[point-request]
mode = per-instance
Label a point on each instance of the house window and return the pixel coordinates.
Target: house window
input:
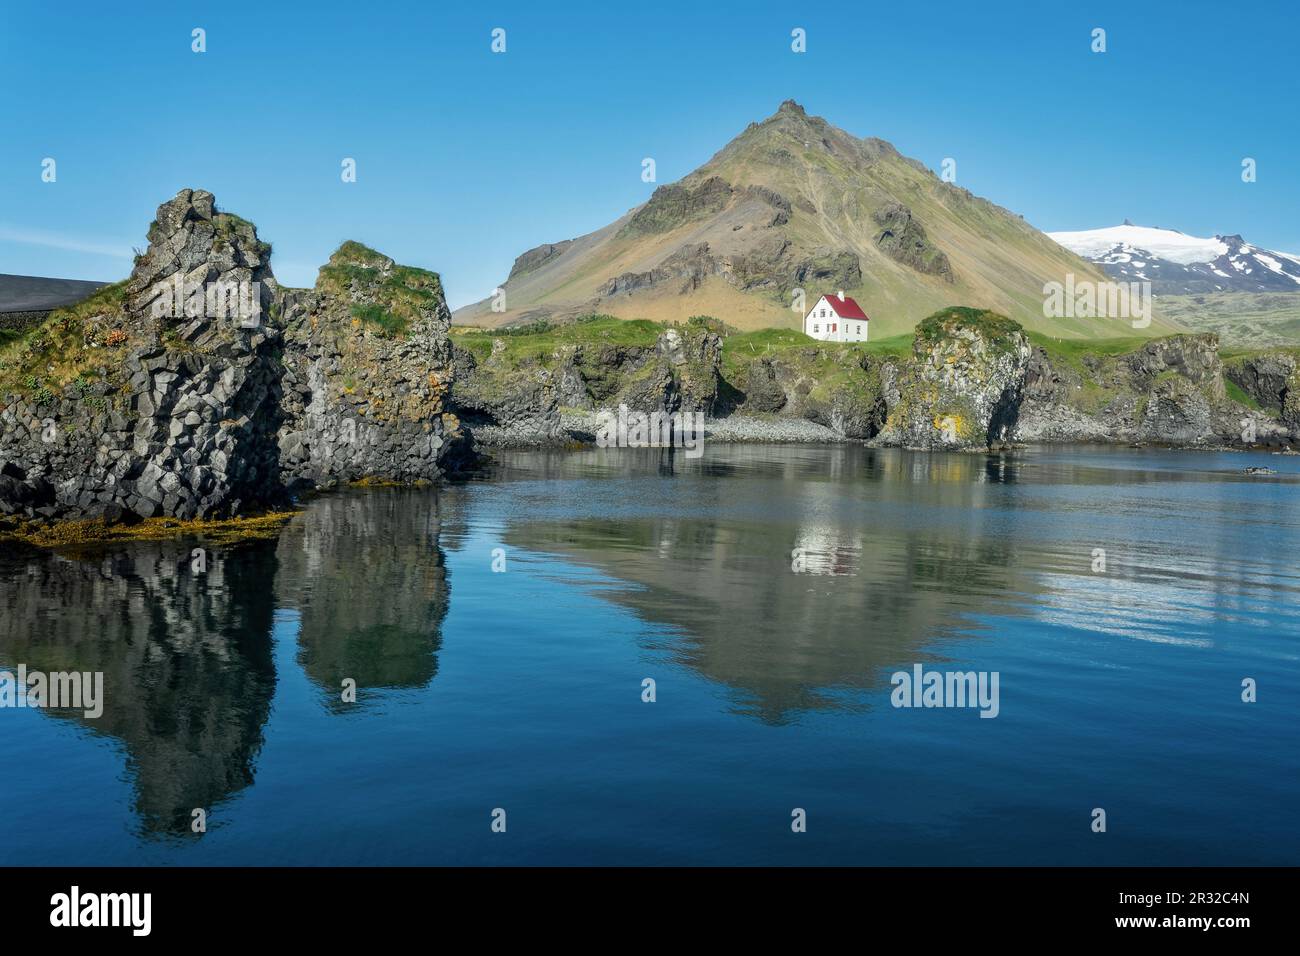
(816, 327)
(832, 326)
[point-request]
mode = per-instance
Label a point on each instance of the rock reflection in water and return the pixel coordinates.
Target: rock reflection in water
(369, 579)
(186, 659)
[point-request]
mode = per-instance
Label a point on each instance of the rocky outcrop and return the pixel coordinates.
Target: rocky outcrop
(1192, 357)
(903, 239)
(675, 204)
(687, 267)
(781, 207)
(200, 389)
(507, 401)
(537, 257)
(185, 425)
(963, 385)
(367, 373)
(1169, 391)
(1272, 380)
(504, 404)
(775, 264)
(839, 389)
(972, 380)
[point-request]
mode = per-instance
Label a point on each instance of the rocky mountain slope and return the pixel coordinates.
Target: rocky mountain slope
(142, 401)
(795, 203)
(1178, 264)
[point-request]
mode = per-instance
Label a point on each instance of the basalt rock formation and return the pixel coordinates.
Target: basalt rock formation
(199, 388)
(367, 370)
(1170, 391)
(508, 399)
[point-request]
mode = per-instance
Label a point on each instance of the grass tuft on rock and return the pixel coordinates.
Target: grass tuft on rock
(396, 295)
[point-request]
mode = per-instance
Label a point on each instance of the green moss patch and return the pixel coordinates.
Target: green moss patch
(396, 295)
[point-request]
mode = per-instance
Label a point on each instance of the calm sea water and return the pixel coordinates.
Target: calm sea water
(522, 689)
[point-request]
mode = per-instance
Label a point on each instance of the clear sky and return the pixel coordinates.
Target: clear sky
(465, 158)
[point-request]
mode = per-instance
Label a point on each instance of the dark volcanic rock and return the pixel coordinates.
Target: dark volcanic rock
(689, 266)
(191, 429)
(903, 239)
(506, 403)
(213, 409)
(1272, 380)
(367, 373)
(674, 204)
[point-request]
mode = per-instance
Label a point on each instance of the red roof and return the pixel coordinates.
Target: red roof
(846, 308)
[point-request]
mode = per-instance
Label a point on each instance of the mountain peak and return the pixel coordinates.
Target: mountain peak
(794, 202)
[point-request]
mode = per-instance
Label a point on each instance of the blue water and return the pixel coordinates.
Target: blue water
(522, 689)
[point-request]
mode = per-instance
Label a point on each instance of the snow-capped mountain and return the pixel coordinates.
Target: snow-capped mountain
(1178, 264)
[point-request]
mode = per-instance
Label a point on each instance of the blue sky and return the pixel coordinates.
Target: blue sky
(466, 158)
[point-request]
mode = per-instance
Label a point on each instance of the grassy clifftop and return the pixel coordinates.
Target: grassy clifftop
(396, 296)
(80, 344)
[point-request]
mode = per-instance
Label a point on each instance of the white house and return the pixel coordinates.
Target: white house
(836, 318)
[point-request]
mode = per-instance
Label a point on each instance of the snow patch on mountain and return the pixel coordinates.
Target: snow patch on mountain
(1178, 264)
(1155, 243)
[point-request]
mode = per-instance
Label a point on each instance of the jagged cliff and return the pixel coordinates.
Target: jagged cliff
(367, 371)
(199, 388)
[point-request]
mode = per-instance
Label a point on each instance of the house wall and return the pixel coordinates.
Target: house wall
(846, 330)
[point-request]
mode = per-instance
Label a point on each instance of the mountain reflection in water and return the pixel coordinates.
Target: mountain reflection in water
(499, 630)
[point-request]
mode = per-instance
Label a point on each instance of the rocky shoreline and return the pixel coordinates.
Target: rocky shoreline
(143, 403)
(971, 380)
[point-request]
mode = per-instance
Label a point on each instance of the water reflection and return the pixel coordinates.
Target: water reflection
(817, 574)
(367, 574)
(187, 655)
(827, 568)
(796, 584)
(186, 659)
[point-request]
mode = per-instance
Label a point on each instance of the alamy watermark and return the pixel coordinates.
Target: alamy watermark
(61, 690)
(626, 429)
(73, 909)
(227, 299)
(922, 688)
(1098, 300)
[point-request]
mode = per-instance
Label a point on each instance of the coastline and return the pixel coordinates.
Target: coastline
(577, 429)
(576, 433)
